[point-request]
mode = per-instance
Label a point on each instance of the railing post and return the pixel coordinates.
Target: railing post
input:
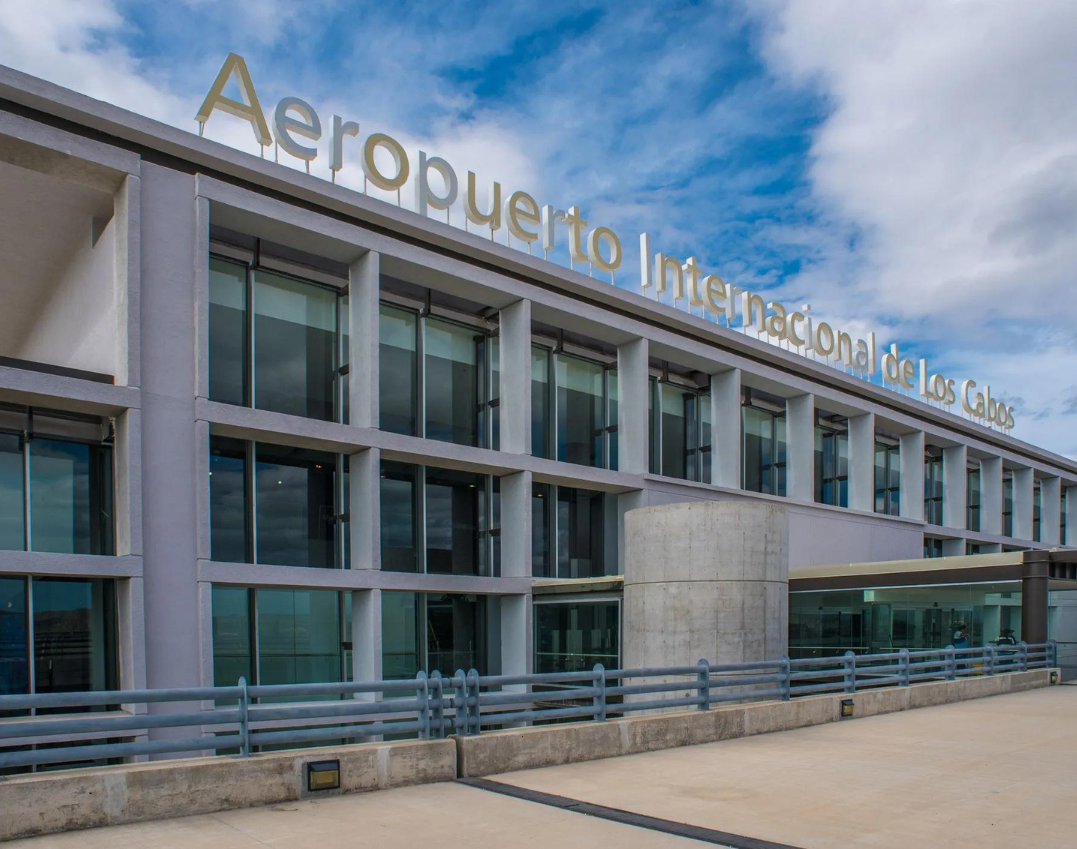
(599, 700)
(989, 659)
(787, 681)
(438, 713)
(904, 654)
(850, 672)
(1022, 656)
(473, 701)
(951, 663)
(703, 684)
(422, 696)
(1052, 652)
(461, 720)
(244, 721)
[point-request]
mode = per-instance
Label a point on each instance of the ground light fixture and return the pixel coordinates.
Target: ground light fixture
(846, 708)
(323, 775)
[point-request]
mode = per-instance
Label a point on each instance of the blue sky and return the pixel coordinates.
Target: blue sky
(907, 166)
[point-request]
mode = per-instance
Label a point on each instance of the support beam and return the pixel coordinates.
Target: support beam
(364, 281)
(726, 426)
(862, 462)
(1022, 503)
(517, 655)
(364, 509)
(633, 431)
(955, 482)
(912, 475)
(515, 382)
(516, 525)
(991, 495)
(800, 448)
(366, 638)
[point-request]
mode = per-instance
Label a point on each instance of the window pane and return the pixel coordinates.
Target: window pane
(454, 633)
(399, 517)
(227, 332)
(612, 389)
(14, 661)
(74, 635)
(70, 497)
(228, 500)
(298, 636)
(398, 370)
(399, 634)
(580, 526)
(494, 348)
(705, 437)
(231, 636)
(580, 421)
(12, 494)
(574, 637)
(452, 522)
(452, 382)
(540, 530)
(758, 450)
(294, 347)
(540, 402)
(678, 405)
(294, 505)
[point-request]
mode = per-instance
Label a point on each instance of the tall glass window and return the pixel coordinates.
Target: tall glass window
(541, 401)
(584, 389)
(887, 479)
(453, 381)
(1007, 505)
(763, 451)
(933, 489)
(567, 532)
(232, 636)
(972, 499)
(433, 631)
(57, 635)
(275, 342)
(574, 636)
(680, 431)
(831, 467)
(398, 370)
(55, 495)
(274, 504)
(401, 617)
(455, 513)
(400, 513)
(1037, 510)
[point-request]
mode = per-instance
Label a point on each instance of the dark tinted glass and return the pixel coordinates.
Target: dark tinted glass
(758, 450)
(541, 522)
(231, 636)
(399, 634)
(540, 402)
(228, 509)
(294, 505)
(14, 660)
(228, 344)
(74, 635)
(298, 636)
(580, 532)
(580, 416)
(398, 370)
(399, 517)
(573, 637)
(453, 524)
(680, 436)
(452, 382)
(70, 497)
(12, 494)
(454, 633)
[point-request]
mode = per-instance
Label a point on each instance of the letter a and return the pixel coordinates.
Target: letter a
(250, 109)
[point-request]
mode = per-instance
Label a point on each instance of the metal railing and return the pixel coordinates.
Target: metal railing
(41, 729)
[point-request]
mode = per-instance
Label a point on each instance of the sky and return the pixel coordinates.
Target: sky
(905, 166)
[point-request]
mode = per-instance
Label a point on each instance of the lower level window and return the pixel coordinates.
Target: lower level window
(433, 631)
(573, 636)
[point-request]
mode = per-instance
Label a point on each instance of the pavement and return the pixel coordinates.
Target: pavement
(989, 772)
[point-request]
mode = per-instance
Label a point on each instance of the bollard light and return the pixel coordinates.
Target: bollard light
(323, 775)
(846, 708)
(1054, 676)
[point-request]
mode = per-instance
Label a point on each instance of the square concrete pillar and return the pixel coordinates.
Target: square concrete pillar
(912, 475)
(633, 431)
(128, 486)
(364, 508)
(517, 654)
(800, 448)
(366, 638)
(955, 482)
(726, 426)
(131, 627)
(364, 288)
(1050, 511)
(862, 462)
(953, 547)
(991, 495)
(516, 525)
(515, 366)
(1022, 503)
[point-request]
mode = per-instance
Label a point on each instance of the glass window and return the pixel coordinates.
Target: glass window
(574, 636)
(455, 508)
(887, 479)
(231, 636)
(14, 655)
(452, 381)
(580, 411)
(228, 342)
(933, 489)
(399, 517)
(400, 656)
(74, 635)
(972, 499)
(540, 401)
(831, 467)
(678, 431)
(612, 391)
(432, 632)
(541, 529)
(70, 497)
(298, 636)
(580, 533)
(398, 370)
(12, 493)
(1037, 510)
(228, 508)
(764, 451)
(490, 387)
(294, 504)
(1007, 506)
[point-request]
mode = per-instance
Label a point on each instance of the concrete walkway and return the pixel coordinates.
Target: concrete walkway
(990, 772)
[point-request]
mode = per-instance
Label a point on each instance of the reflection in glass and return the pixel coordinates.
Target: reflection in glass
(452, 382)
(70, 497)
(580, 417)
(399, 634)
(298, 636)
(831, 467)
(295, 338)
(231, 636)
(573, 637)
(294, 506)
(887, 479)
(74, 635)
(763, 451)
(228, 532)
(12, 494)
(228, 343)
(454, 518)
(399, 517)
(541, 523)
(580, 532)
(14, 658)
(1007, 506)
(933, 489)
(540, 401)
(972, 500)
(679, 429)
(398, 370)
(454, 633)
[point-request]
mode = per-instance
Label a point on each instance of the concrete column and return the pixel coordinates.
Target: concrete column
(1050, 511)
(516, 525)
(726, 427)
(128, 482)
(862, 462)
(626, 501)
(131, 620)
(953, 547)
(1034, 585)
(515, 322)
(366, 638)
(517, 653)
(955, 484)
(633, 421)
(800, 448)
(364, 282)
(1022, 503)
(364, 508)
(170, 470)
(991, 495)
(911, 450)
(126, 277)
(1071, 516)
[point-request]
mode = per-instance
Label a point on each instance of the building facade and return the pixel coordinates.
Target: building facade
(256, 424)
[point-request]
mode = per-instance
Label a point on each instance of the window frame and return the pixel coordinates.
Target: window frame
(697, 456)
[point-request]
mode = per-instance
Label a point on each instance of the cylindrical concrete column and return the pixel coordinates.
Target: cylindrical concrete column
(1034, 587)
(706, 580)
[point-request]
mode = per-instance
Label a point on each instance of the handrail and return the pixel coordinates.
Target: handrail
(41, 729)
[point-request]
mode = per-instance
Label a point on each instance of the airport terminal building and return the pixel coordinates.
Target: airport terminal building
(253, 423)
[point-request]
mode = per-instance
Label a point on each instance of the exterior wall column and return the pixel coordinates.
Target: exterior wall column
(1071, 515)
(1034, 585)
(515, 366)
(1051, 511)
(364, 284)
(911, 495)
(517, 652)
(955, 482)
(366, 638)
(633, 421)
(862, 462)
(991, 495)
(1022, 503)
(800, 448)
(726, 426)
(517, 656)
(364, 509)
